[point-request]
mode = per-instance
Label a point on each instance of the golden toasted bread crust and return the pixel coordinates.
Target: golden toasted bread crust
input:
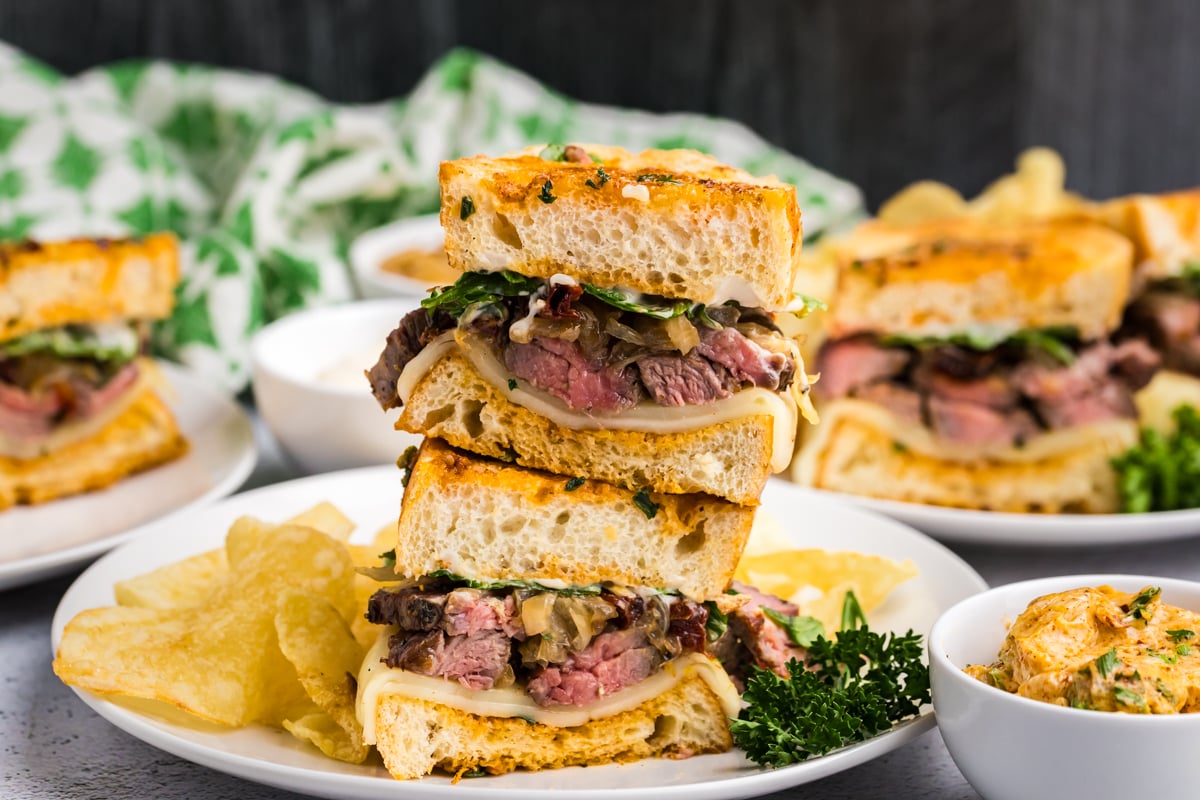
(417, 736)
(730, 460)
(938, 279)
(1164, 229)
(85, 281)
(144, 436)
(857, 457)
(668, 222)
(489, 520)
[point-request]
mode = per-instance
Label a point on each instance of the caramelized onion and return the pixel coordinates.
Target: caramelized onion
(682, 333)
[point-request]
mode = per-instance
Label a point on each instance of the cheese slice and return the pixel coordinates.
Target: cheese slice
(646, 417)
(1121, 433)
(23, 448)
(377, 680)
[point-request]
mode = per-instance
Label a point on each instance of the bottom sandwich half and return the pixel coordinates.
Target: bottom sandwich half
(530, 621)
(862, 449)
(681, 711)
(142, 435)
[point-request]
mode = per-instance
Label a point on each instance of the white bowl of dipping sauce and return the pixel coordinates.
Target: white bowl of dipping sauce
(309, 386)
(402, 259)
(1013, 747)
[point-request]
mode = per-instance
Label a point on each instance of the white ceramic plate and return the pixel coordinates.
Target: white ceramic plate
(371, 496)
(964, 526)
(39, 541)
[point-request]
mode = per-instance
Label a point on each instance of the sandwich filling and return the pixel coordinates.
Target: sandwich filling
(58, 385)
(598, 351)
(977, 392)
(524, 648)
(1167, 315)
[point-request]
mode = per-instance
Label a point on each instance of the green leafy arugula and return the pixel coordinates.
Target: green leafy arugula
(618, 299)
(1055, 342)
(847, 690)
(513, 583)
(489, 287)
(479, 287)
(110, 343)
(801, 631)
(717, 622)
(1162, 473)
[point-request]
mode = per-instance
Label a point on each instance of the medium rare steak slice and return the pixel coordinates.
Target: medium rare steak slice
(610, 663)
(475, 661)
(561, 368)
(675, 380)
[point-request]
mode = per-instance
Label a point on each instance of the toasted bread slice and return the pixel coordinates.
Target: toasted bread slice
(946, 278)
(667, 222)
(854, 453)
(85, 281)
(488, 520)
(730, 459)
(143, 436)
(416, 736)
(1164, 229)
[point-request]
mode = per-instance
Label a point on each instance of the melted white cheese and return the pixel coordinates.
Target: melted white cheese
(646, 417)
(376, 680)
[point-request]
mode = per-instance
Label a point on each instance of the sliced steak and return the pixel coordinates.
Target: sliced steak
(1169, 319)
(746, 360)
(411, 609)
(905, 404)
(561, 368)
(470, 611)
(409, 338)
(768, 644)
(1136, 362)
(971, 423)
(610, 663)
(847, 365)
(475, 661)
(992, 391)
(676, 380)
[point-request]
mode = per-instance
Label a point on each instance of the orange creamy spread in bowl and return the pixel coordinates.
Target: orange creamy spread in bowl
(1101, 649)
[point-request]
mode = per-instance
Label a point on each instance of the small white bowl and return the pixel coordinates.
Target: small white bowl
(371, 249)
(323, 425)
(1013, 747)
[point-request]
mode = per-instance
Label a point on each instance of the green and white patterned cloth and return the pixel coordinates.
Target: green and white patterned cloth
(267, 184)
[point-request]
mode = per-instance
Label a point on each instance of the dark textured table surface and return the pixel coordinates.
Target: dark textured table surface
(53, 747)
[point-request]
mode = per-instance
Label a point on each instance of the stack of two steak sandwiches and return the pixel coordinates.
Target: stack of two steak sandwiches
(604, 393)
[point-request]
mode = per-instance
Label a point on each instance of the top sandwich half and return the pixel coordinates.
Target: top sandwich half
(74, 318)
(613, 321)
(982, 340)
(672, 223)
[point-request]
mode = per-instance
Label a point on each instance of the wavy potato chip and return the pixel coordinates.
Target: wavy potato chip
(320, 647)
(220, 660)
(326, 518)
(817, 580)
(922, 201)
(183, 584)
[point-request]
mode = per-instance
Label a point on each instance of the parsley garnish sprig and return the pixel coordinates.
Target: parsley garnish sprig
(847, 690)
(1163, 472)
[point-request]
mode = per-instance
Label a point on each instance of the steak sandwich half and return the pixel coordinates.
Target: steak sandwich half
(614, 320)
(1165, 307)
(972, 366)
(78, 406)
(544, 622)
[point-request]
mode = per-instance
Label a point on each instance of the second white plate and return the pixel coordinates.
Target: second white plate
(964, 526)
(37, 542)
(371, 497)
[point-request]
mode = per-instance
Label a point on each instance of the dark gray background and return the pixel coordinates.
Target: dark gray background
(882, 92)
